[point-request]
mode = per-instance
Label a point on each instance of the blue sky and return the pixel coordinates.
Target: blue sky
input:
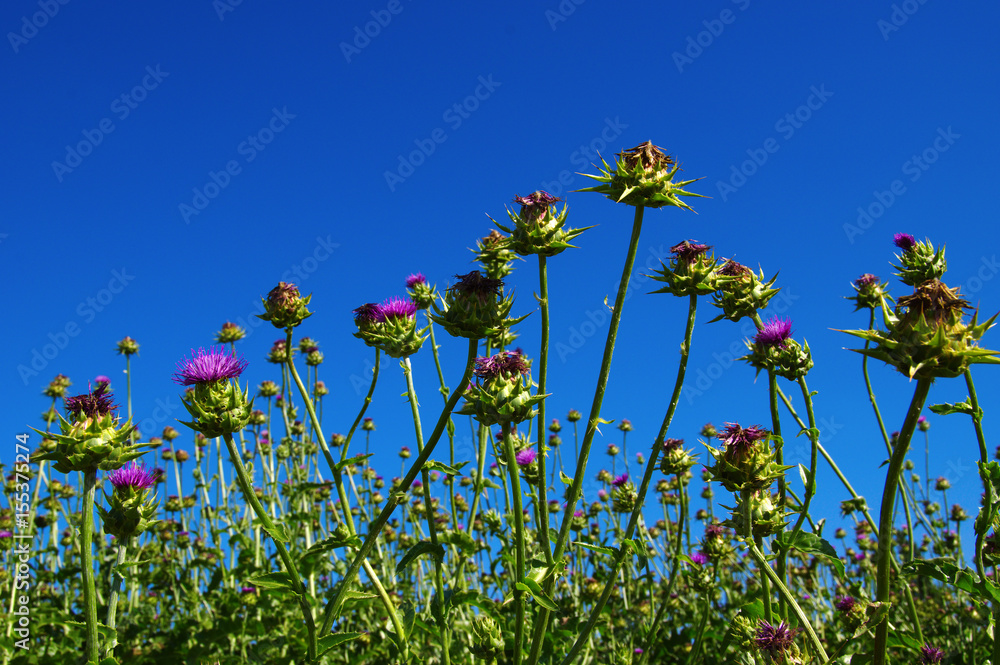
(169, 163)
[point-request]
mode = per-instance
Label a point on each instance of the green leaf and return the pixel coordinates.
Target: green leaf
(565, 479)
(279, 532)
(272, 581)
(423, 547)
(812, 544)
(434, 465)
(596, 548)
(899, 639)
(328, 642)
(947, 409)
(357, 459)
(331, 543)
(465, 543)
(637, 549)
(477, 599)
(532, 587)
(945, 570)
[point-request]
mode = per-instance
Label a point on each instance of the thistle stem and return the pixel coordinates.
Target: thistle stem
(116, 585)
(888, 503)
(517, 517)
(87, 560)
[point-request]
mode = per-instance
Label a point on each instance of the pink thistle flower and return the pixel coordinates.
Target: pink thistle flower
(525, 457)
(774, 333)
(414, 279)
(94, 404)
(396, 308)
(133, 475)
(208, 367)
(904, 241)
(620, 480)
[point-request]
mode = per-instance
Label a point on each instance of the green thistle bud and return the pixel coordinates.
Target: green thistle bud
(217, 405)
(744, 295)
(676, 460)
(502, 394)
(692, 271)
(230, 333)
(391, 327)
(774, 350)
(767, 517)
(487, 639)
(495, 254)
(927, 337)
(475, 307)
(919, 261)
(869, 292)
(421, 293)
(538, 227)
(128, 347)
(746, 462)
(285, 307)
(93, 438)
(624, 495)
(643, 176)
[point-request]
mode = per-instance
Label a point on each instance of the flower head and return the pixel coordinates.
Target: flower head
(100, 378)
(367, 314)
(904, 241)
(688, 250)
(525, 457)
(95, 404)
(414, 279)
(396, 307)
(775, 640)
(774, 333)
(230, 333)
(642, 176)
(128, 347)
(132, 476)
(845, 604)
(620, 480)
(506, 364)
(739, 440)
(930, 655)
(285, 307)
(209, 367)
(699, 558)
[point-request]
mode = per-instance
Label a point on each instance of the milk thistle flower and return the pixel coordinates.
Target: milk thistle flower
(746, 460)
(130, 514)
(919, 261)
(128, 347)
(495, 254)
(676, 460)
(927, 336)
(773, 349)
(642, 176)
(743, 294)
(475, 307)
(691, 271)
(216, 404)
(230, 333)
(538, 226)
(93, 436)
(930, 655)
(869, 292)
(421, 293)
(390, 326)
(502, 392)
(774, 640)
(285, 307)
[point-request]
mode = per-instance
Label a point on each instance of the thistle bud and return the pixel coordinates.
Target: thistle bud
(642, 176)
(487, 639)
(285, 307)
(573, 416)
(268, 389)
(743, 295)
(919, 261)
(495, 254)
(216, 404)
(692, 271)
(773, 349)
(230, 333)
(538, 227)
(391, 327)
(57, 387)
(869, 293)
(676, 460)
(474, 307)
(128, 347)
(130, 514)
(421, 293)
(746, 461)
(502, 392)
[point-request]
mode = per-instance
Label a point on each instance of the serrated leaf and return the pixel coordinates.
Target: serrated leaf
(812, 544)
(272, 581)
(279, 532)
(596, 548)
(357, 459)
(331, 543)
(328, 642)
(465, 543)
(423, 547)
(566, 480)
(945, 570)
(533, 588)
(899, 639)
(434, 465)
(946, 409)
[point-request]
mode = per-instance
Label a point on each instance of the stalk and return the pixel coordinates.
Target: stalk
(517, 518)
(116, 585)
(888, 502)
(87, 558)
(543, 365)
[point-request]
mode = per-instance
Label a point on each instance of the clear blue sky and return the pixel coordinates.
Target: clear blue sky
(168, 163)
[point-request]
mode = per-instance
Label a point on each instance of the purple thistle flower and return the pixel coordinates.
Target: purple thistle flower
(672, 444)
(699, 558)
(620, 480)
(774, 640)
(414, 279)
(505, 363)
(845, 604)
(688, 251)
(602, 494)
(539, 198)
(248, 589)
(478, 286)
(774, 333)
(525, 457)
(133, 475)
(865, 280)
(396, 308)
(99, 379)
(904, 241)
(930, 655)
(733, 269)
(6, 534)
(739, 440)
(215, 365)
(714, 532)
(367, 313)
(578, 513)
(94, 404)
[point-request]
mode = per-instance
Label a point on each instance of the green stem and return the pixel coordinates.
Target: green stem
(375, 529)
(888, 503)
(517, 518)
(789, 598)
(87, 558)
(293, 573)
(602, 383)
(116, 585)
(543, 365)
(643, 488)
